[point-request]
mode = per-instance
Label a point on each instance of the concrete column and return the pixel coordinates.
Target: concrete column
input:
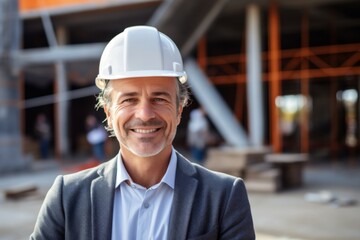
(215, 106)
(254, 78)
(61, 111)
(62, 104)
(11, 157)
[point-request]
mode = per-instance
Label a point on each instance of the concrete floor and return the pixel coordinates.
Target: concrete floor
(17, 217)
(284, 215)
(288, 215)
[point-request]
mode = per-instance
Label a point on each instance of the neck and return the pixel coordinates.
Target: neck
(146, 171)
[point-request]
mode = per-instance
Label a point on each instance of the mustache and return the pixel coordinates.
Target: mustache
(140, 123)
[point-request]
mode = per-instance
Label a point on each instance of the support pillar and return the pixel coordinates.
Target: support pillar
(61, 111)
(60, 87)
(254, 78)
(334, 85)
(11, 157)
(304, 85)
(62, 103)
(334, 119)
(201, 52)
(240, 102)
(274, 76)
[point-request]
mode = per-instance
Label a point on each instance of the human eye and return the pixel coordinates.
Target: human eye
(128, 100)
(159, 99)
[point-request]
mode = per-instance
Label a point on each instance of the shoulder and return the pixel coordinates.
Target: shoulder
(88, 175)
(78, 185)
(208, 178)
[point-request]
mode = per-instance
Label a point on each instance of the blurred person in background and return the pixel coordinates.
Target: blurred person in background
(96, 136)
(149, 190)
(43, 135)
(198, 134)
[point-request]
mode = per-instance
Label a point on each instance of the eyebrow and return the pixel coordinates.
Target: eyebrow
(134, 94)
(127, 94)
(166, 94)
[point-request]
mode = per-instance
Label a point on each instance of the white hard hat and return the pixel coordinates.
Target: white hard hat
(140, 51)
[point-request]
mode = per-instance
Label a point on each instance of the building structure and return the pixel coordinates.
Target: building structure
(281, 68)
(10, 133)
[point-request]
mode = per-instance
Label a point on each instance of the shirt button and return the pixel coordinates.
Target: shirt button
(146, 205)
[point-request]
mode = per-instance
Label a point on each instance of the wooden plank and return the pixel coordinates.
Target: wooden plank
(20, 191)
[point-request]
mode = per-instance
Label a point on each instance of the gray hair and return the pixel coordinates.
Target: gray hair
(104, 98)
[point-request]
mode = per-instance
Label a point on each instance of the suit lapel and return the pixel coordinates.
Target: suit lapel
(102, 198)
(185, 189)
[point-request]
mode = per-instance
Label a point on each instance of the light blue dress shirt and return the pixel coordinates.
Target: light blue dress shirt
(141, 213)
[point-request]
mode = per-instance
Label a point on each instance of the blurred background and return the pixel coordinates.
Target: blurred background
(278, 82)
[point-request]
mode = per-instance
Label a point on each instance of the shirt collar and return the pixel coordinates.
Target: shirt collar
(168, 178)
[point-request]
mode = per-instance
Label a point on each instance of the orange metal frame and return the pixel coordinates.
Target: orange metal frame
(26, 5)
(301, 64)
(317, 59)
(274, 76)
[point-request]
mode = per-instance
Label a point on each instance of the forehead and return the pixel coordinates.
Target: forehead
(148, 84)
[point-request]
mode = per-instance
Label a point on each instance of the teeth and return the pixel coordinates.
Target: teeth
(145, 130)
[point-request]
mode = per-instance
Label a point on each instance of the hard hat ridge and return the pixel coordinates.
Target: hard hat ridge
(140, 51)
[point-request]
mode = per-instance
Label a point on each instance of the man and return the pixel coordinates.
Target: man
(148, 191)
(198, 134)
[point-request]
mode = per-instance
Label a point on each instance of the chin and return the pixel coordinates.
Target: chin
(144, 153)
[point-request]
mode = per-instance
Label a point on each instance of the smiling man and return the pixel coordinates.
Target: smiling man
(149, 190)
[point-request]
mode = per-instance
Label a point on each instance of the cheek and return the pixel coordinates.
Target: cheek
(179, 114)
(113, 117)
(120, 117)
(108, 117)
(171, 116)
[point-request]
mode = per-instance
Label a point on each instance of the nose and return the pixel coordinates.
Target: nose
(145, 111)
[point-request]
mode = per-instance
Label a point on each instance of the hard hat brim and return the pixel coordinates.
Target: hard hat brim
(100, 83)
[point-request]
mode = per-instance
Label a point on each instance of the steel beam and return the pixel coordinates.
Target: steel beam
(66, 53)
(171, 18)
(215, 106)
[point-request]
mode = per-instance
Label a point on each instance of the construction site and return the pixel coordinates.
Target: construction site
(279, 81)
(281, 74)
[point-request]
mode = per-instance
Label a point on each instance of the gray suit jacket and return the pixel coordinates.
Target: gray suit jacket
(206, 205)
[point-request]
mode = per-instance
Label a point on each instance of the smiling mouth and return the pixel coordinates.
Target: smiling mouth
(145, 131)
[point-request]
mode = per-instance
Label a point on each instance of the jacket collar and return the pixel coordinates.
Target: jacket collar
(185, 189)
(102, 197)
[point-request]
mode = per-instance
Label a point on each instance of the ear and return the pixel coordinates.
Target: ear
(180, 110)
(108, 116)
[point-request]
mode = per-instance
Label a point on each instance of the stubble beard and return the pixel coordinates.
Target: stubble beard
(146, 147)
